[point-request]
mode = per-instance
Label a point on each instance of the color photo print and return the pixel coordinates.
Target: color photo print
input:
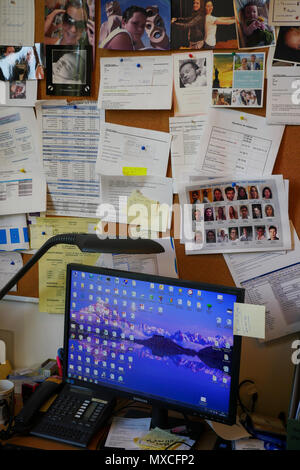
(238, 80)
(20, 63)
(203, 24)
(138, 25)
(69, 70)
(252, 24)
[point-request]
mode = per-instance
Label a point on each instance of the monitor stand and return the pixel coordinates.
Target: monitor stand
(162, 420)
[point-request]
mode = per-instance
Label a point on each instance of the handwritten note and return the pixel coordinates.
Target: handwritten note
(17, 22)
(249, 320)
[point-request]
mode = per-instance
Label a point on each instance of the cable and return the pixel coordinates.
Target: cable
(254, 397)
(177, 442)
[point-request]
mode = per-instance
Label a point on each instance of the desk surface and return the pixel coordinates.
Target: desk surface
(206, 440)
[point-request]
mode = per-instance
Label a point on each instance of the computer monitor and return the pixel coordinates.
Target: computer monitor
(163, 341)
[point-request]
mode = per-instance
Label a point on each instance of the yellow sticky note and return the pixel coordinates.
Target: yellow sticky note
(249, 320)
(134, 171)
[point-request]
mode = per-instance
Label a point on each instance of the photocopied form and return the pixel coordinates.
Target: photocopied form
(237, 143)
(17, 22)
(186, 132)
(283, 97)
(273, 280)
(192, 83)
(136, 82)
(144, 201)
(52, 266)
(128, 150)
(70, 136)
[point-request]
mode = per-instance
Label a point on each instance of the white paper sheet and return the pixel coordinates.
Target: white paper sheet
(137, 200)
(123, 430)
(17, 24)
(284, 13)
(136, 82)
(283, 97)
(70, 136)
(126, 149)
(249, 320)
(186, 135)
(20, 142)
(237, 143)
(10, 263)
(162, 264)
(13, 232)
(224, 216)
(273, 280)
(192, 83)
(18, 93)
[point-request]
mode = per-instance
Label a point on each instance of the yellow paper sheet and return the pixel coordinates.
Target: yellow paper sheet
(147, 213)
(158, 439)
(53, 265)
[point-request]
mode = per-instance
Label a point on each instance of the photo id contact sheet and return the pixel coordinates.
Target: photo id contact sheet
(227, 216)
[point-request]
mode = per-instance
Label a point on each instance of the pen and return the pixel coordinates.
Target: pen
(60, 373)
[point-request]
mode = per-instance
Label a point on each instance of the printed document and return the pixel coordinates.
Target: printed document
(283, 97)
(186, 135)
(161, 264)
(273, 280)
(237, 143)
(136, 82)
(192, 83)
(10, 264)
(52, 266)
(17, 24)
(13, 232)
(137, 200)
(70, 137)
(284, 13)
(225, 215)
(129, 150)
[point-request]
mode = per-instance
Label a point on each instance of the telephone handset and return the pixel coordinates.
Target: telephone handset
(25, 419)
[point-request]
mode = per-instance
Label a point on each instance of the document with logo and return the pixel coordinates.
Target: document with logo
(128, 150)
(192, 82)
(144, 201)
(283, 97)
(237, 143)
(241, 215)
(136, 82)
(273, 280)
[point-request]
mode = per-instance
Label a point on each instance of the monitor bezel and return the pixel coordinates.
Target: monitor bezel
(236, 350)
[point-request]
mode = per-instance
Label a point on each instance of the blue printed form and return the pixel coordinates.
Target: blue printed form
(238, 80)
(70, 136)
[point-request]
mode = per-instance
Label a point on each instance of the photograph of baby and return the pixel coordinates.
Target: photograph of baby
(21, 63)
(135, 26)
(68, 70)
(288, 44)
(69, 22)
(17, 90)
(252, 25)
(203, 24)
(192, 72)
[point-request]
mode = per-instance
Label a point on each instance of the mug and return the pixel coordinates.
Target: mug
(7, 403)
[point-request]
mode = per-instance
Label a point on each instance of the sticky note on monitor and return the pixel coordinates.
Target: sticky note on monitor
(249, 320)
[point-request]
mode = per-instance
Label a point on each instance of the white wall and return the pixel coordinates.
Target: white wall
(37, 336)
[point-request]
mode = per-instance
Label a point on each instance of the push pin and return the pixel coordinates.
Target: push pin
(191, 56)
(138, 65)
(121, 60)
(143, 147)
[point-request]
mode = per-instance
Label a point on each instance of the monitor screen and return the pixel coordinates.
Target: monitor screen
(167, 341)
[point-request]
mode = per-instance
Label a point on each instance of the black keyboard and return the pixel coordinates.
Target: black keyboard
(73, 418)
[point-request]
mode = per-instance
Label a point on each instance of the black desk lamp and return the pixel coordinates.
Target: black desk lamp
(89, 243)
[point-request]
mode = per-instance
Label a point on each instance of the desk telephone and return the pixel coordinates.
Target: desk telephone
(73, 417)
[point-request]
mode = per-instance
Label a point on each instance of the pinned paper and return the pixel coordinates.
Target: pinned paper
(134, 171)
(249, 320)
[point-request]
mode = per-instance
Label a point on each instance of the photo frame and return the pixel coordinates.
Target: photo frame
(69, 70)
